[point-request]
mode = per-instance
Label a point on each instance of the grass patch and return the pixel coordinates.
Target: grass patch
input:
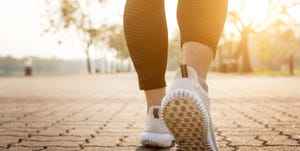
(274, 73)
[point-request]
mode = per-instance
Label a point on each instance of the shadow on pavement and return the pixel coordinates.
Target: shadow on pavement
(142, 148)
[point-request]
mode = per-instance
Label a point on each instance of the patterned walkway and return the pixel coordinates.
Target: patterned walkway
(106, 113)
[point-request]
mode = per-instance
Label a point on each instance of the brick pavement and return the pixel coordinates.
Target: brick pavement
(106, 112)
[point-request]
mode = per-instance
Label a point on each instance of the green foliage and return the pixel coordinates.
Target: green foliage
(266, 71)
(278, 46)
(77, 18)
(274, 46)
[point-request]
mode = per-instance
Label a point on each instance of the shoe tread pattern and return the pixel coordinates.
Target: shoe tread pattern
(184, 119)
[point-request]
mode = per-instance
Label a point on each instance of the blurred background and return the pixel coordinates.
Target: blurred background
(51, 37)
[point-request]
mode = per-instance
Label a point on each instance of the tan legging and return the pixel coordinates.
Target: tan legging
(147, 37)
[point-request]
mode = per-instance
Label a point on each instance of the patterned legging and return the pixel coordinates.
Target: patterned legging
(147, 38)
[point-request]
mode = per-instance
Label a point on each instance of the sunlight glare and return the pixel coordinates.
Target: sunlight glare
(255, 11)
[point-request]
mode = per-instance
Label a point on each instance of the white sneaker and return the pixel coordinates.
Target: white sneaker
(156, 133)
(186, 112)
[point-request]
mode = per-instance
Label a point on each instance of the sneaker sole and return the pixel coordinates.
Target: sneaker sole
(155, 140)
(186, 117)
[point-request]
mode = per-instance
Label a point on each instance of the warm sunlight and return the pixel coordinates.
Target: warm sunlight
(138, 75)
(26, 40)
(255, 11)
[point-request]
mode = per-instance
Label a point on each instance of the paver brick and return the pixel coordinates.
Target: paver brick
(100, 141)
(56, 138)
(278, 140)
(107, 113)
(21, 148)
(244, 140)
(49, 143)
(269, 148)
(5, 140)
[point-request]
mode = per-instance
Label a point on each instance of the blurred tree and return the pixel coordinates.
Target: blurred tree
(246, 25)
(114, 38)
(174, 51)
(276, 48)
(74, 17)
(9, 64)
(79, 18)
(225, 61)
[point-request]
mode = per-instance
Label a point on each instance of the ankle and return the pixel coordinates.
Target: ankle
(203, 84)
(155, 96)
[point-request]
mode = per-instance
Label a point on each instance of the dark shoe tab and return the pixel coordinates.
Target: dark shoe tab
(184, 72)
(155, 113)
